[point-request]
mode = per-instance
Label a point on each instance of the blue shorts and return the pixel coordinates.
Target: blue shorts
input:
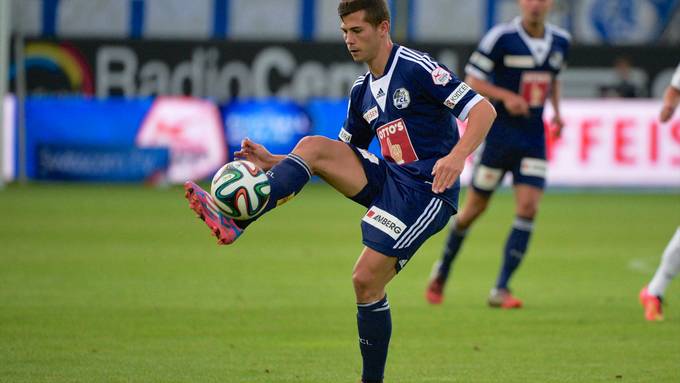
(526, 162)
(399, 218)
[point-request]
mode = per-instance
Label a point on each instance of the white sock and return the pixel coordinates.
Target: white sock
(669, 267)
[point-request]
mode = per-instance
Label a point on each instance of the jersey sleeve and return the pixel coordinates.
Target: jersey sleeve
(487, 56)
(675, 81)
(566, 43)
(443, 86)
(355, 130)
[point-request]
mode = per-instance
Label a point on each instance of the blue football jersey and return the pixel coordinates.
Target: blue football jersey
(509, 58)
(411, 110)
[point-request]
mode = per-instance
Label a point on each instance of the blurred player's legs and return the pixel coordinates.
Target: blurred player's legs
(475, 204)
(527, 198)
(651, 295)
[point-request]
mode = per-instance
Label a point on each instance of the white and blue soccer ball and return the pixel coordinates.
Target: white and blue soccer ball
(240, 189)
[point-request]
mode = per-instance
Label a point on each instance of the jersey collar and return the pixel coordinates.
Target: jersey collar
(538, 51)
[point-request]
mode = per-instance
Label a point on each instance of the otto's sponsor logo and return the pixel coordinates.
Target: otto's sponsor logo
(401, 98)
(440, 76)
(395, 143)
(385, 222)
(371, 114)
(457, 94)
(345, 135)
(391, 128)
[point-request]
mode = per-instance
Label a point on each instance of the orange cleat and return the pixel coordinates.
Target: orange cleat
(222, 227)
(435, 291)
(652, 305)
(503, 298)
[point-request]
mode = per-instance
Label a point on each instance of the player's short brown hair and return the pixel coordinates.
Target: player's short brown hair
(376, 10)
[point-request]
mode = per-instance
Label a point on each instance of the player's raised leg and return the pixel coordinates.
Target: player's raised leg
(475, 204)
(527, 199)
(333, 160)
(651, 295)
(372, 272)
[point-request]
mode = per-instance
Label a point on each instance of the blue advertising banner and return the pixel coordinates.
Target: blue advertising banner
(81, 121)
(276, 124)
(66, 162)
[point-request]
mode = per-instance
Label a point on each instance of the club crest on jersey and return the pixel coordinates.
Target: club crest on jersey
(440, 76)
(385, 222)
(401, 98)
(371, 114)
(556, 60)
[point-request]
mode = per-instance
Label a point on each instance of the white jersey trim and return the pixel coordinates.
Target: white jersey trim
(675, 81)
(474, 72)
(491, 38)
(470, 104)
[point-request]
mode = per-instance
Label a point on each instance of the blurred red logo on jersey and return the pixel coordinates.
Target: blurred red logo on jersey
(534, 88)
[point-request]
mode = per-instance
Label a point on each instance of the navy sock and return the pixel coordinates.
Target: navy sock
(286, 179)
(453, 244)
(515, 247)
(375, 328)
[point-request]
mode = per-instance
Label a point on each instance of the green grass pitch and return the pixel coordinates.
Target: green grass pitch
(122, 284)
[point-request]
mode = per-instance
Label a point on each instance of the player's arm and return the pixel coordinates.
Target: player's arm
(671, 97)
(481, 68)
(513, 102)
(555, 96)
(447, 169)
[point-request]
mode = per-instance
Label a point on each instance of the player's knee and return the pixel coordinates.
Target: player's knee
(312, 148)
(365, 286)
(527, 209)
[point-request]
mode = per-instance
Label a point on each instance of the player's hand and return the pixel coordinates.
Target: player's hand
(666, 113)
(516, 105)
(446, 171)
(557, 125)
(255, 153)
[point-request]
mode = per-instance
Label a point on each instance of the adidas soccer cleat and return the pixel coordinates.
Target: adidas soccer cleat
(652, 305)
(200, 201)
(503, 298)
(435, 288)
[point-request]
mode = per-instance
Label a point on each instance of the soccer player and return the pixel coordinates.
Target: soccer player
(651, 295)
(409, 102)
(516, 65)
(671, 97)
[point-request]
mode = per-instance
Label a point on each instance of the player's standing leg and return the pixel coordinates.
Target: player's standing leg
(475, 204)
(651, 295)
(372, 272)
(527, 199)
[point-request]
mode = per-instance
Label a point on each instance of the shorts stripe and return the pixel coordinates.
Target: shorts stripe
(424, 225)
(413, 227)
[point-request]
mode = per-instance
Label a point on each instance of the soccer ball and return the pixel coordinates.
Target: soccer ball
(240, 189)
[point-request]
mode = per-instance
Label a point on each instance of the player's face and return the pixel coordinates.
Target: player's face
(535, 11)
(361, 37)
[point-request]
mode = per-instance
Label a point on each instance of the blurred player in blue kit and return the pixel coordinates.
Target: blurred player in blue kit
(408, 101)
(515, 65)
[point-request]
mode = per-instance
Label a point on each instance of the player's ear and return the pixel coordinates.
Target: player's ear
(384, 28)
